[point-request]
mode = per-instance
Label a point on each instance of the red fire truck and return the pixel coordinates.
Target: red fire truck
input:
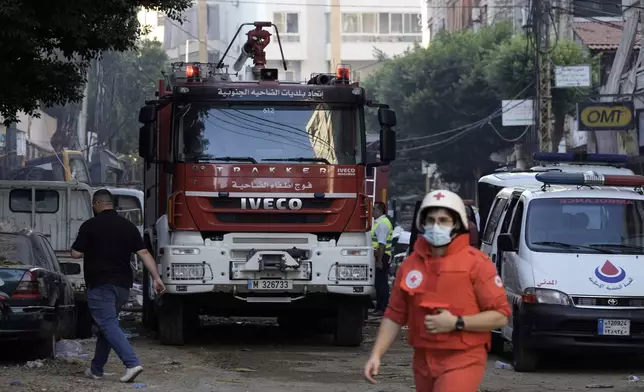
(255, 197)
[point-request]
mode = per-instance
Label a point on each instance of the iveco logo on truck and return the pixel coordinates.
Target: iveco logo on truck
(269, 203)
(345, 171)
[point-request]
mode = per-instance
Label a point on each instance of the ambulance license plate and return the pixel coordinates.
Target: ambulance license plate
(270, 284)
(611, 327)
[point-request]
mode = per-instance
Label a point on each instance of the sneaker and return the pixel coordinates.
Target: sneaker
(89, 374)
(131, 373)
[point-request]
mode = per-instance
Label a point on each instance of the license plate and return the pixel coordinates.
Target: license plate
(610, 327)
(270, 284)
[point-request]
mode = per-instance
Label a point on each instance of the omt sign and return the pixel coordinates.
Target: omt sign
(613, 116)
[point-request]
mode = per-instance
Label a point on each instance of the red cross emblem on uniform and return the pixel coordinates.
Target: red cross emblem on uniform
(413, 279)
(439, 196)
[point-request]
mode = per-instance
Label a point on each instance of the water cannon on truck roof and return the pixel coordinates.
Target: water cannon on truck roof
(255, 199)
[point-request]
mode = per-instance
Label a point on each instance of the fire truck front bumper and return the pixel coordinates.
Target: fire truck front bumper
(290, 268)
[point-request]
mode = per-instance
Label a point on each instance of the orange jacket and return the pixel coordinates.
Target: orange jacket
(464, 280)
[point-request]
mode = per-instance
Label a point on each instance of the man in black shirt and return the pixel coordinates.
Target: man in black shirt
(106, 243)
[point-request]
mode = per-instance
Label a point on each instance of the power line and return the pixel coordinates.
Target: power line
(389, 7)
(478, 123)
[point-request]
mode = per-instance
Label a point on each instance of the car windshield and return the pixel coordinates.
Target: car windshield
(306, 132)
(14, 249)
(586, 225)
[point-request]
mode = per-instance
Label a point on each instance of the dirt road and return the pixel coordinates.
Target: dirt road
(239, 356)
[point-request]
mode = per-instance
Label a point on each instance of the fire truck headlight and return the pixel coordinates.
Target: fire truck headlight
(355, 252)
(185, 251)
(350, 272)
(187, 271)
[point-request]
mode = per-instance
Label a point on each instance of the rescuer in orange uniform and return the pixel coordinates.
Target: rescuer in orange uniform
(450, 296)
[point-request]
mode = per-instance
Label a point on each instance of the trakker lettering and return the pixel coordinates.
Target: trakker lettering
(289, 170)
(269, 203)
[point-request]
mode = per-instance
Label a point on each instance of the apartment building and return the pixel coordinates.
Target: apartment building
(457, 15)
(222, 18)
(367, 27)
(154, 23)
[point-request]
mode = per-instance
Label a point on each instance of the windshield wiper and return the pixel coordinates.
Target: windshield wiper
(623, 246)
(571, 246)
(300, 159)
(226, 159)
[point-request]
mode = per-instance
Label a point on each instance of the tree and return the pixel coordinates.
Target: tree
(47, 47)
(120, 83)
(459, 80)
(437, 89)
(513, 65)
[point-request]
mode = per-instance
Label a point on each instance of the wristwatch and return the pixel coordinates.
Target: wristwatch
(460, 324)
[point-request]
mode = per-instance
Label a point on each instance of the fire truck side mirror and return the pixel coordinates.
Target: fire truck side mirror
(146, 141)
(387, 119)
(147, 116)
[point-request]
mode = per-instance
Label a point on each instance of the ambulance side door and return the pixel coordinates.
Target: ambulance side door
(504, 227)
(488, 240)
(511, 261)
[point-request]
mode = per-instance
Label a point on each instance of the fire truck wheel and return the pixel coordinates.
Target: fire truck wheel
(349, 325)
(149, 316)
(84, 322)
(172, 328)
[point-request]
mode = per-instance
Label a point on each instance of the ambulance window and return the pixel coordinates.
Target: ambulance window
(586, 225)
(493, 220)
(517, 220)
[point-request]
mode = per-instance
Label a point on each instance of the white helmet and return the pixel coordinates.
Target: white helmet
(442, 199)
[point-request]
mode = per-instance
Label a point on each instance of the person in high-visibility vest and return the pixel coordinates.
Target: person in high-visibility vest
(382, 235)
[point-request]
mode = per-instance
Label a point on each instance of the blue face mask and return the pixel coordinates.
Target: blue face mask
(438, 235)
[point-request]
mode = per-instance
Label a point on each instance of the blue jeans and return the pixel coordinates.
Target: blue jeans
(105, 303)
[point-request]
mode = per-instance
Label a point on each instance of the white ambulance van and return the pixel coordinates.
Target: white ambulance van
(490, 185)
(570, 255)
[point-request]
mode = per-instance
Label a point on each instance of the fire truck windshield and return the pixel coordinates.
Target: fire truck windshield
(319, 132)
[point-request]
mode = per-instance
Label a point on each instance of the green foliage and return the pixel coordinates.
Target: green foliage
(458, 80)
(506, 69)
(47, 47)
(118, 85)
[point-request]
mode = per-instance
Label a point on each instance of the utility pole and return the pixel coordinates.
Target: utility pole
(202, 31)
(543, 79)
(607, 141)
(336, 35)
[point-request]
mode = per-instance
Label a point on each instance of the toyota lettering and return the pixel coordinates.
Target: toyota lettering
(269, 203)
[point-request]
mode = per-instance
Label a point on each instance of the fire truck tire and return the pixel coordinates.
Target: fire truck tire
(349, 326)
(84, 321)
(149, 315)
(172, 327)
(176, 320)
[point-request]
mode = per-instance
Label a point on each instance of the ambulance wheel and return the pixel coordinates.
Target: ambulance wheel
(176, 320)
(524, 359)
(349, 326)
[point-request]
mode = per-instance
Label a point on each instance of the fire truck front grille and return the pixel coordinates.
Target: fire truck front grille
(235, 203)
(253, 218)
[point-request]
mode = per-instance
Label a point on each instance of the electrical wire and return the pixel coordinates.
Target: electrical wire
(474, 125)
(326, 5)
